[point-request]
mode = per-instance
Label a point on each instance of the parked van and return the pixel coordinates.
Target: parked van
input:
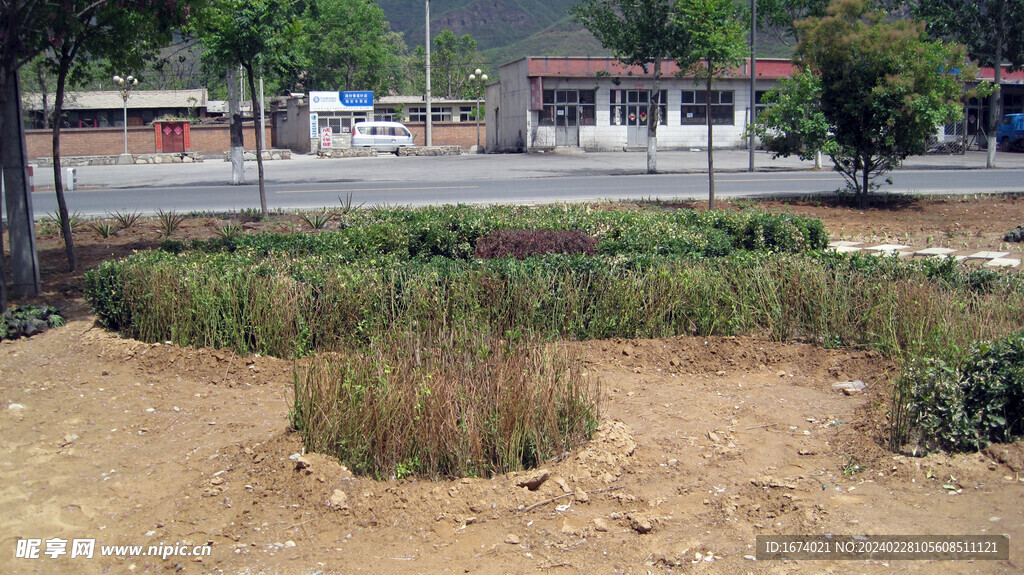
(389, 136)
(1010, 134)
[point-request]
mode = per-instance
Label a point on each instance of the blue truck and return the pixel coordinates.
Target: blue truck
(1010, 134)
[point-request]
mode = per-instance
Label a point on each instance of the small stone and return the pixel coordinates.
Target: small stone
(600, 525)
(534, 480)
(581, 496)
(714, 437)
(338, 500)
(562, 484)
(512, 539)
(641, 524)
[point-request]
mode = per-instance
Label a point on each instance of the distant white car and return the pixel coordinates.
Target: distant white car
(388, 136)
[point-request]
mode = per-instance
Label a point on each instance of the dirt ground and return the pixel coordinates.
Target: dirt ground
(705, 444)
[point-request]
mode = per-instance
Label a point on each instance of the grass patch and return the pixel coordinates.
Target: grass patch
(473, 406)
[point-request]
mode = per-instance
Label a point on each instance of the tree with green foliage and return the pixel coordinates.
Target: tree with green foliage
(452, 60)
(885, 88)
(793, 123)
(258, 35)
(124, 36)
(640, 33)
(992, 30)
(717, 43)
(349, 45)
(779, 17)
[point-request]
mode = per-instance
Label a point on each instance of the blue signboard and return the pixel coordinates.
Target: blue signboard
(341, 101)
(352, 100)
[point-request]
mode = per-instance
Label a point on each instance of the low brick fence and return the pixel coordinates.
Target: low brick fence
(208, 139)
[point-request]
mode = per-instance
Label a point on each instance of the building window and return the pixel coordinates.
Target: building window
(694, 108)
(759, 105)
(632, 107)
(468, 113)
(419, 114)
(385, 114)
(569, 108)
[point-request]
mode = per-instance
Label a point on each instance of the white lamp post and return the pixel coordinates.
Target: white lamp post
(478, 76)
(125, 86)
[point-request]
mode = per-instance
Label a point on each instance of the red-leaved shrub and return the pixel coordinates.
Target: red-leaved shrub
(521, 244)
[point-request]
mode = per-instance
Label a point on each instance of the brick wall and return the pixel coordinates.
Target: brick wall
(208, 139)
(449, 133)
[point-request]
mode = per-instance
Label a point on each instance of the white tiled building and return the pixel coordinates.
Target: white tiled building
(600, 105)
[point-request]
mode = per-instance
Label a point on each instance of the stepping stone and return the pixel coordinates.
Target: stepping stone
(934, 252)
(843, 244)
(987, 255)
(846, 249)
(1001, 263)
(889, 249)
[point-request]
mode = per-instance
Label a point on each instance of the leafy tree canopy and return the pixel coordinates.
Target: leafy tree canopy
(349, 45)
(885, 88)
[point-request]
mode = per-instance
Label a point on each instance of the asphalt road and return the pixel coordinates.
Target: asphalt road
(306, 182)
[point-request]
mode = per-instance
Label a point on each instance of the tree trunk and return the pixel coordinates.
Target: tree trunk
(58, 182)
(995, 109)
(863, 200)
(257, 111)
(711, 142)
(235, 129)
(653, 120)
(20, 219)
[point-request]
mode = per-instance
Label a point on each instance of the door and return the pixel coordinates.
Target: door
(567, 118)
(637, 114)
(173, 139)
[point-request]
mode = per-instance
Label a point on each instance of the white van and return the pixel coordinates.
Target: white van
(389, 136)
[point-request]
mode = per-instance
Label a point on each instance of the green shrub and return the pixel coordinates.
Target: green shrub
(964, 406)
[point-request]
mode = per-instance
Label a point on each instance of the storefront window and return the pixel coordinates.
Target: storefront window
(694, 108)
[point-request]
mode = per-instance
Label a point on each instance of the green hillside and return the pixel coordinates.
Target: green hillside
(506, 30)
(500, 27)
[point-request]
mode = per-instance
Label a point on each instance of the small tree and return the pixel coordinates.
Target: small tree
(717, 44)
(992, 30)
(793, 123)
(452, 60)
(884, 87)
(638, 33)
(256, 35)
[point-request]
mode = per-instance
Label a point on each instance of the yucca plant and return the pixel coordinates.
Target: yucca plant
(125, 220)
(104, 229)
(229, 232)
(75, 222)
(317, 220)
(169, 221)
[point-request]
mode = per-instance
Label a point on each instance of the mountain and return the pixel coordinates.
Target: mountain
(504, 30)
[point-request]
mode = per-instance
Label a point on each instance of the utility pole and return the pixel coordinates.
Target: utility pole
(753, 79)
(429, 135)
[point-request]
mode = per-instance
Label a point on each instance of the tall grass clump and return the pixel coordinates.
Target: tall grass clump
(471, 406)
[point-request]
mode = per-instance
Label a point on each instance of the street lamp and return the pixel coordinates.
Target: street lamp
(125, 85)
(478, 76)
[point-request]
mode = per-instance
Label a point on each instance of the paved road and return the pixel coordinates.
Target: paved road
(306, 182)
